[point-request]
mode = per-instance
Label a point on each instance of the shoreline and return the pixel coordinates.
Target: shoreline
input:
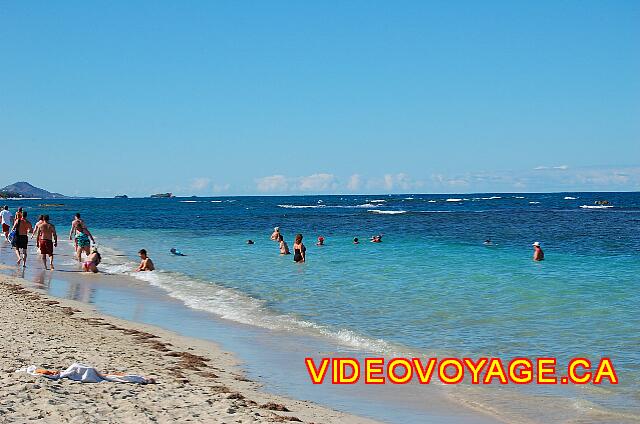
(195, 378)
(280, 382)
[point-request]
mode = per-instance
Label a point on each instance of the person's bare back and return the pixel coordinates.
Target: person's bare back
(146, 265)
(47, 231)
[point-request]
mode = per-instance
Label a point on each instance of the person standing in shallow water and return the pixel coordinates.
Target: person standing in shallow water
(45, 234)
(23, 228)
(82, 237)
(538, 254)
(284, 249)
(35, 230)
(299, 251)
(7, 221)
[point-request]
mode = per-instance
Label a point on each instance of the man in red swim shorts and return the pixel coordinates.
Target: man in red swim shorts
(47, 238)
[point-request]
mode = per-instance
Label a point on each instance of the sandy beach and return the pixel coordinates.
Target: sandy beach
(195, 380)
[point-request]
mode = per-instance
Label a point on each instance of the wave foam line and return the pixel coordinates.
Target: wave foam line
(233, 305)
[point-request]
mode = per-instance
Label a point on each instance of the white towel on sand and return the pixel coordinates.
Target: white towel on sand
(86, 374)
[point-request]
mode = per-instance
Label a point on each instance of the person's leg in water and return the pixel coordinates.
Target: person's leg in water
(18, 256)
(44, 261)
(51, 261)
(24, 258)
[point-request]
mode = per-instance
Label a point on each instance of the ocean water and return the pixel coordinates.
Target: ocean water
(430, 288)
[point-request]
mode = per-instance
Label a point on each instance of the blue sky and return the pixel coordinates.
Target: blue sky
(212, 97)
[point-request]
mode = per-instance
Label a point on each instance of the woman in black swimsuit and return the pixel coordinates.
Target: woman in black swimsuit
(299, 251)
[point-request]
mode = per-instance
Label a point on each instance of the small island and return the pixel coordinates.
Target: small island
(121, 196)
(162, 196)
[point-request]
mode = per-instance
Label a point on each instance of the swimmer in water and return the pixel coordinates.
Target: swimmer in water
(276, 233)
(376, 239)
(176, 252)
(299, 250)
(320, 241)
(250, 242)
(538, 254)
(488, 242)
(284, 248)
(356, 241)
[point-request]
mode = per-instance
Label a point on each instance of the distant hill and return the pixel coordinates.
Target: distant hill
(24, 189)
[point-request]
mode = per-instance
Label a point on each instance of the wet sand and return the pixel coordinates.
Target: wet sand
(196, 380)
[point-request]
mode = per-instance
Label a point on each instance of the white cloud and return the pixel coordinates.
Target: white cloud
(395, 182)
(317, 182)
(218, 188)
(388, 182)
(453, 182)
(272, 183)
(199, 184)
(547, 178)
(354, 182)
(558, 167)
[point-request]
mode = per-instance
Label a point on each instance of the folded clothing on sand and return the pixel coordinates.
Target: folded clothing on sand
(86, 374)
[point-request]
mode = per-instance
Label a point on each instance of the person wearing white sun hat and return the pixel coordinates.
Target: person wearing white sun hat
(538, 254)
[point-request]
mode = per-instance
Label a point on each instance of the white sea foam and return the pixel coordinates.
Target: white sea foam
(534, 203)
(301, 206)
(569, 198)
(518, 197)
(434, 211)
(596, 206)
(364, 205)
(189, 201)
(408, 198)
(232, 304)
(216, 201)
(454, 200)
(386, 212)
(431, 201)
(377, 201)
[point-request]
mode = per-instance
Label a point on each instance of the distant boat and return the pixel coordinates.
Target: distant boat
(122, 196)
(162, 196)
(50, 205)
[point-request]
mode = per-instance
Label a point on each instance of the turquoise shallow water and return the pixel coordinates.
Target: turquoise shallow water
(431, 287)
